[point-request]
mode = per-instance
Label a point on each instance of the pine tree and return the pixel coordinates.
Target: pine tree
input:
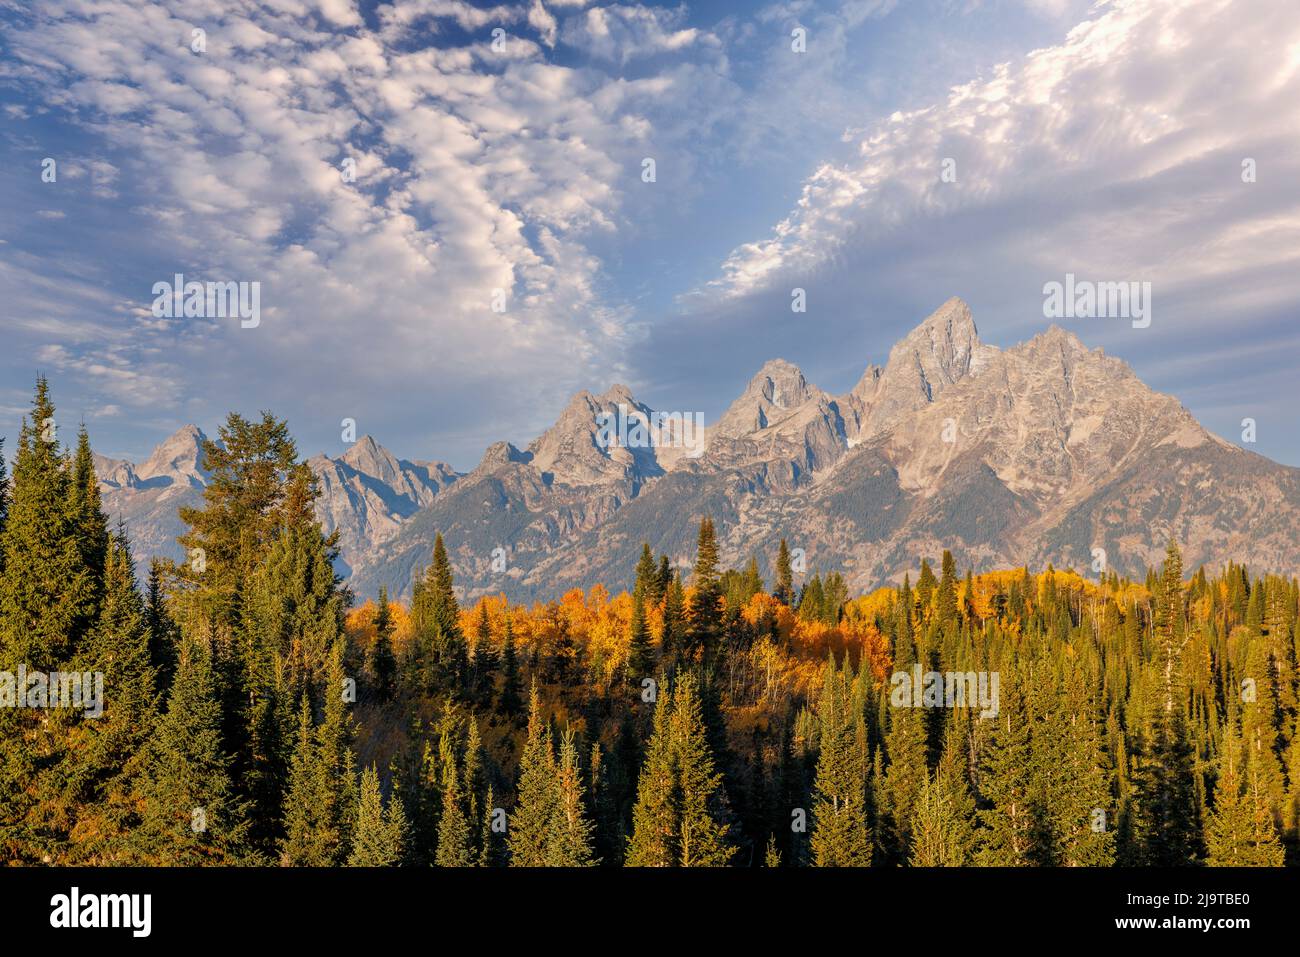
(640, 656)
(570, 839)
(705, 613)
(383, 664)
(510, 702)
(380, 832)
(189, 811)
(654, 839)
(841, 835)
(784, 591)
(1240, 831)
(454, 848)
(256, 489)
(536, 796)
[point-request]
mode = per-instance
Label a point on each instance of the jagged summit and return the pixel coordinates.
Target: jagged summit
(1039, 452)
(777, 389)
(178, 459)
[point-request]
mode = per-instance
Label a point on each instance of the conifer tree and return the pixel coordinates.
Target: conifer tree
(47, 593)
(570, 839)
(784, 591)
(308, 840)
(380, 832)
(673, 637)
(947, 599)
(383, 664)
(510, 702)
(105, 754)
(190, 813)
(89, 521)
(654, 839)
(662, 579)
(489, 846)
(163, 633)
(646, 575)
(1240, 831)
(705, 612)
(943, 820)
(905, 775)
(1009, 823)
(701, 827)
(841, 836)
(536, 797)
(640, 656)
(454, 825)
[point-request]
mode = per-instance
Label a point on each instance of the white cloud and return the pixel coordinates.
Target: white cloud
(1140, 108)
(477, 170)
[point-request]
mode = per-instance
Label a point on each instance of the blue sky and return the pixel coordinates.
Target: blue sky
(1100, 139)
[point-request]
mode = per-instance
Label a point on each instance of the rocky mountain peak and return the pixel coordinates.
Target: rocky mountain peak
(179, 458)
(945, 347)
(370, 458)
(776, 390)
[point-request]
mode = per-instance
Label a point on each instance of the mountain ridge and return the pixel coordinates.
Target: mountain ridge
(1011, 456)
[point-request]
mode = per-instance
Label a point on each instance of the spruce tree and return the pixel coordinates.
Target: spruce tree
(380, 832)
(454, 835)
(640, 655)
(1006, 772)
(570, 840)
(701, 828)
(943, 820)
(47, 594)
(107, 752)
(655, 839)
(536, 795)
(510, 702)
(190, 813)
(1240, 831)
(784, 591)
(705, 613)
(841, 835)
(383, 664)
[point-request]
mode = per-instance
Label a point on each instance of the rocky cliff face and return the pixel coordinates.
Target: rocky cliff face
(1041, 452)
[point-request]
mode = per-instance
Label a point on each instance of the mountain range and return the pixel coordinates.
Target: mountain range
(1042, 452)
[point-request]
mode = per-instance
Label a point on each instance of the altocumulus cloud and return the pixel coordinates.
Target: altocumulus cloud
(1118, 154)
(482, 170)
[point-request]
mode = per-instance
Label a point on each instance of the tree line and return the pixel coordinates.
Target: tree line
(256, 713)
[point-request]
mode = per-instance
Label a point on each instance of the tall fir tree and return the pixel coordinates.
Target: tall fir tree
(841, 835)
(536, 797)
(380, 835)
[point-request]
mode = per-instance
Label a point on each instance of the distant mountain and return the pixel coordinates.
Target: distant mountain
(1038, 453)
(366, 493)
